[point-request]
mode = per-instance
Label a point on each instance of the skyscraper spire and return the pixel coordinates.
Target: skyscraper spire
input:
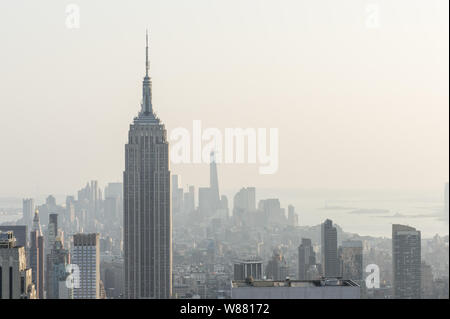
(36, 223)
(146, 54)
(146, 107)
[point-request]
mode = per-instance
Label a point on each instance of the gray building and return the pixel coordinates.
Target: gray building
(306, 258)
(329, 251)
(37, 256)
(297, 289)
(244, 269)
(351, 260)
(147, 213)
(27, 211)
(15, 277)
(406, 262)
(20, 233)
(56, 272)
(86, 256)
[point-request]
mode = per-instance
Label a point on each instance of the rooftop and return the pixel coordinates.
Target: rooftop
(295, 283)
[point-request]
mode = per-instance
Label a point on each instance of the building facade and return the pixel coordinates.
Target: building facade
(147, 213)
(86, 256)
(306, 259)
(406, 262)
(329, 250)
(15, 277)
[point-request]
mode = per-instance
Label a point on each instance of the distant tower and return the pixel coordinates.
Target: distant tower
(147, 213)
(406, 262)
(37, 256)
(306, 258)
(28, 211)
(351, 260)
(214, 181)
(329, 251)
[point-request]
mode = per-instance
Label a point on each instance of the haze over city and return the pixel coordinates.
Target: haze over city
(356, 107)
(224, 150)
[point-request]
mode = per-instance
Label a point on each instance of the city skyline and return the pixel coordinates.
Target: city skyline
(276, 150)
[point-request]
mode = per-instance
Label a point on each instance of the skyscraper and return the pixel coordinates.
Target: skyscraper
(406, 262)
(37, 256)
(15, 277)
(306, 259)
(351, 260)
(208, 197)
(86, 255)
(214, 181)
(20, 232)
(56, 274)
(27, 211)
(177, 196)
(147, 214)
(329, 251)
(52, 230)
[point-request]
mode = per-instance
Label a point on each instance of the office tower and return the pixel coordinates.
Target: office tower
(177, 196)
(292, 216)
(147, 213)
(15, 277)
(214, 181)
(244, 201)
(406, 262)
(189, 200)
(306, 259)
(114, 190)
(86, 255)
(111, 273)
(293, 289)
(351, 260)
(209, 200)
(329, 253)
(205, 204)
(52, 230)
(249, 268)
(114, 203)
(56, 272)
(111, 205)
(70, 210)
(37, 256)
(28, 211)
(426, 284)
(277, 268)
(272, 212)
(20, 232)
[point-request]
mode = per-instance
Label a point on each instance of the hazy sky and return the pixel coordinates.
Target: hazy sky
(356, 107)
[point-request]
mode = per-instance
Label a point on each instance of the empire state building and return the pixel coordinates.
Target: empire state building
(147, 213)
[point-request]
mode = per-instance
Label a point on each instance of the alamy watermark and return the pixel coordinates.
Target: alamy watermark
(232, 146)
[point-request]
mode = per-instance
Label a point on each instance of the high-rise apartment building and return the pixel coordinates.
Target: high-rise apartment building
(86, 256)
(406, 262)
(147, 213)
(329, 252)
